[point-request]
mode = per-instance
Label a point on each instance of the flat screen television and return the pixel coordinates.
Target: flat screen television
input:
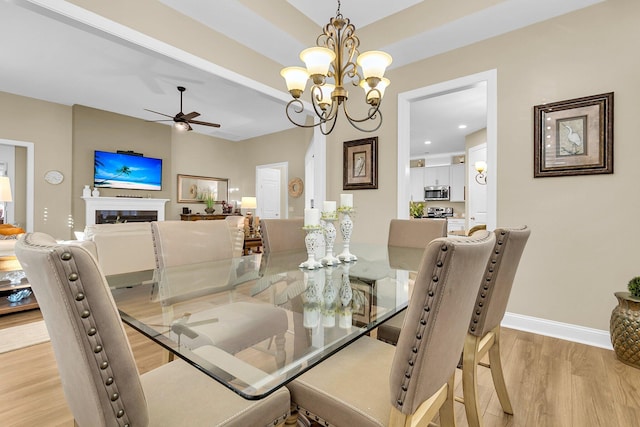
(126, 171)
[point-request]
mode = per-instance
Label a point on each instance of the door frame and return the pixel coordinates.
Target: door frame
(404, 126)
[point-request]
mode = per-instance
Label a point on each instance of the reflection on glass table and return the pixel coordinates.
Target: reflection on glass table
(256, 322)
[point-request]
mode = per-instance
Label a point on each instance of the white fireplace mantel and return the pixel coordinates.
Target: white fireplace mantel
(94, 204)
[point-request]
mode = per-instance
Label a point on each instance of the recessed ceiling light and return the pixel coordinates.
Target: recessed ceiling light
(427, 142)
(462, 127)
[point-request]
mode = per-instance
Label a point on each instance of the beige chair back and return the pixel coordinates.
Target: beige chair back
(122, 248)
(435, 326)
(282, 234)
(188, 242)
(415, 233)
(493, 295)
(99, 376)
(236, 228)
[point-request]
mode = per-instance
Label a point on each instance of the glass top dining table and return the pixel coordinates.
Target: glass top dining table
(256, 322)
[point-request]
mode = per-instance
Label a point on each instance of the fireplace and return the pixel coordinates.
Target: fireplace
(113, 217)
(109, 210)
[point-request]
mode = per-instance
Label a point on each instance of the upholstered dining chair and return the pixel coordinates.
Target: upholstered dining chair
(413, 234)
(410, 383)
(181, 243)
(483, 335)
(282, 234)
(100, 380)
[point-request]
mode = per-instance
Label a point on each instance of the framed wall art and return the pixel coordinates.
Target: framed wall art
(360, 164)
(574, 137)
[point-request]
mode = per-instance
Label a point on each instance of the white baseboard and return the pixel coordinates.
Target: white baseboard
(564, 331)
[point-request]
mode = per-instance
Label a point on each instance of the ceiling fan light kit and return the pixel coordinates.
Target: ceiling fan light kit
(183, 122)
(333, 60)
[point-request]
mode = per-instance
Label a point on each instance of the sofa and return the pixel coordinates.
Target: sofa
(9, 235)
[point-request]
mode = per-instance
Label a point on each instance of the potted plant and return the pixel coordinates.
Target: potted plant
(209, 200)
(625, 324)
(416, 209)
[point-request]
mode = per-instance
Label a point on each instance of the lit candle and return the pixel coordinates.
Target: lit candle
(346, 200)
(329, 206)
(311, 217)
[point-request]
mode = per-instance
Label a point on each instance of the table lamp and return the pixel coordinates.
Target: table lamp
(249, 203)
(5, 196)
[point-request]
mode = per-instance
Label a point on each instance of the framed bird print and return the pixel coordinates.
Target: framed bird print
(360, 164)
(574, 137)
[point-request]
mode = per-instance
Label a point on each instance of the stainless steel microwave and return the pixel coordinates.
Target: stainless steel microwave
(436, 192)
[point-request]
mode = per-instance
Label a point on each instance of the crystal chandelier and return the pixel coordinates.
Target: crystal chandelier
(333, 63)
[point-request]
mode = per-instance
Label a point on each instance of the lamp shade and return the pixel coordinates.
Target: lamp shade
(480, 166)
(296, 78)
(317, 60)
(381, 86)
(5, 189)
(374, 63)
(248, 203)
(326, 90)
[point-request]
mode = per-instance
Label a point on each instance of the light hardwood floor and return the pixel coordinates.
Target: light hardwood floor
(551, 382)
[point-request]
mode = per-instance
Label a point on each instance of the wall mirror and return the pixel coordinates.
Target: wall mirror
(192, 189)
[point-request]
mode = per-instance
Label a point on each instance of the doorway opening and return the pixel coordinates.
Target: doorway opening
(405, 100)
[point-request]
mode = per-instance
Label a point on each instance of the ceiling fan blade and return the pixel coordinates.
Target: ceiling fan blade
(191, 115)
(155, 121)
(196, 122)
(162, 114)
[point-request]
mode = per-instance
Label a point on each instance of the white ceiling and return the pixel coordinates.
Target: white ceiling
(47, 53)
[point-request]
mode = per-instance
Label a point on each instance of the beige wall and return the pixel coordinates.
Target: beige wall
(49, 127)
(288, 146)
(580, 251)
(101, 130)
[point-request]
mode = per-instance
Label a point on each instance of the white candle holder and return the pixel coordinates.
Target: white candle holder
(345, 314)
(311, 241)
(346, 227)
(329, 237)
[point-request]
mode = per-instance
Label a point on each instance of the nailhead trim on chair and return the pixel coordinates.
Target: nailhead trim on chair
(84, 311)
(487, 288)
(435, 278)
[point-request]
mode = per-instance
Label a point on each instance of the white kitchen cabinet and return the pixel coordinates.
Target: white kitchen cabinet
(417, 184)
(457, 181)
(455, 226)
(436, 175)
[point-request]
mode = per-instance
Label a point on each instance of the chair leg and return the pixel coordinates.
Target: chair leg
(498, 375)
(470, 380)
(447, 412)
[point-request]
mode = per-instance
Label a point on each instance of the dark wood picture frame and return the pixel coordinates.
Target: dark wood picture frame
(190, 187)
(574, 137)
(360, 164)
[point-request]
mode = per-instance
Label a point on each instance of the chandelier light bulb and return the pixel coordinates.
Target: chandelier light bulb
(373, 63)
(318, 60)
(374, 96)
(324, 100)
(296, 78)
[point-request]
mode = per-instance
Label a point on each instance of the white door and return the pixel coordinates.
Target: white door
(477, 206)
(268, 193)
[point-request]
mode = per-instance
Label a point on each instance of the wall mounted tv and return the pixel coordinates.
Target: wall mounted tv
(126, 171)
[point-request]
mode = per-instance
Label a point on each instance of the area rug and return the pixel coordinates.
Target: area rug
(22, 336)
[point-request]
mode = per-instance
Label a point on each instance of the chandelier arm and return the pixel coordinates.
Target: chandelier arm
(333, 124)
(373, 111)
(316, 95)
(353, 123)
(293, 104)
